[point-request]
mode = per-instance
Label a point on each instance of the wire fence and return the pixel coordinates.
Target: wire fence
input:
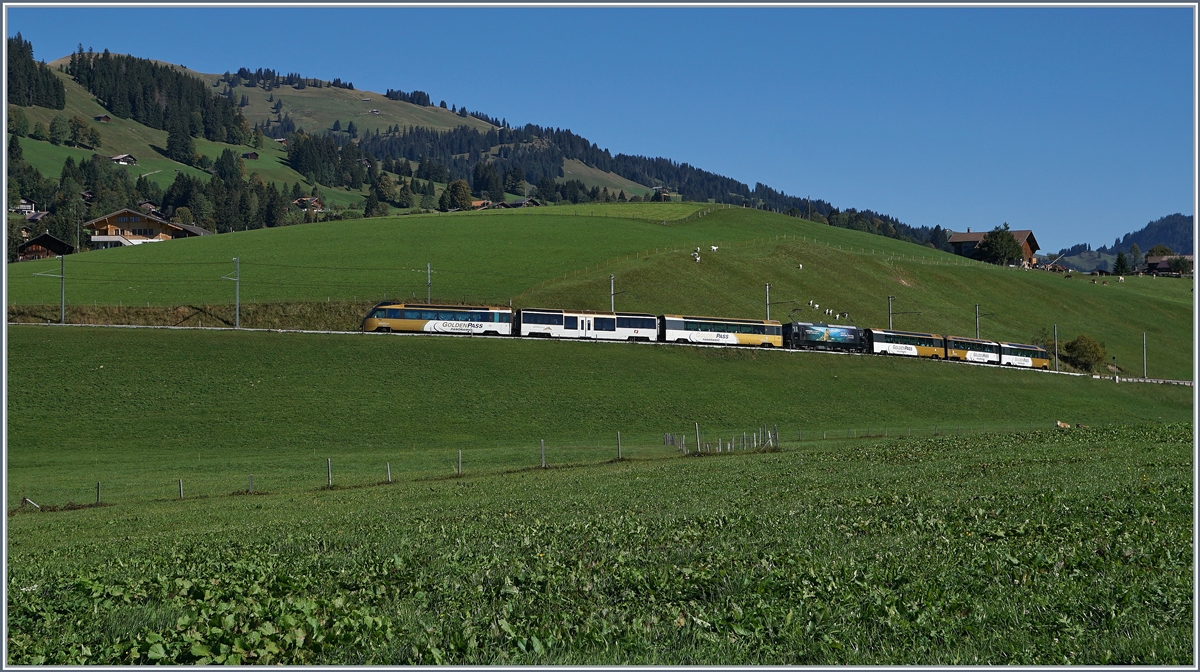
(202, 473)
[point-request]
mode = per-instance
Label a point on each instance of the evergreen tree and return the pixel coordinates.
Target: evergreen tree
(39, 132)
(1135, 257)
(444, 201)
(14, 150)
(337, 125)
(180, 146)
(93, 137)
(1121, 265)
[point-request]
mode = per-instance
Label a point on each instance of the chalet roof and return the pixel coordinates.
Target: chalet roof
(195, 230)
(1022, 235)
(49, 242)
(139, 213)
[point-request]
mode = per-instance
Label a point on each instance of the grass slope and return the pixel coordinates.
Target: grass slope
(211, 406)
(562, 256)
(594, 177)
(125, 136)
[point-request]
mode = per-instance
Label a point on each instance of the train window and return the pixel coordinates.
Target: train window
(636, 322)
(775, 331)
(503, 317)
(429, 315)
(571, 322)
(605, 324)
(541, 318)
(378, 312)
(393, 313)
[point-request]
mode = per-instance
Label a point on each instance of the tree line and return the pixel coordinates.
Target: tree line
(158, 96)
(30, 82)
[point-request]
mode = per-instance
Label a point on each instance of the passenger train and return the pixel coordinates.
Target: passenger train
(612, 326)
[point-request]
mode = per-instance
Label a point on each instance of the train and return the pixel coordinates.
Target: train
(554, 323)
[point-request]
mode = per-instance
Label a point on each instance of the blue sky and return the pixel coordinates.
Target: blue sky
(1074, 122)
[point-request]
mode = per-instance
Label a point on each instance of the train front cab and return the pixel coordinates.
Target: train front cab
(484, 320)
(835, 337)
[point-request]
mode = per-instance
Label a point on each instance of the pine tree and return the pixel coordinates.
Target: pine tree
(14, 150)
(1121, 265)
(59, 131)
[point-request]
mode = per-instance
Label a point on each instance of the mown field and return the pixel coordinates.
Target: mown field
(562, 256)
(1043, 547)
(139, 409)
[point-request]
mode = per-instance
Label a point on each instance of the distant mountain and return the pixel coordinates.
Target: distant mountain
(1175, 231)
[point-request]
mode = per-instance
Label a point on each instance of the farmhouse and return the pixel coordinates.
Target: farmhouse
(130, 227)
(43, 247)
(1156, 265)
(964, 244)
(24, 207)
(309, 203)
(250, 156)
(102, 118)
(124, 160)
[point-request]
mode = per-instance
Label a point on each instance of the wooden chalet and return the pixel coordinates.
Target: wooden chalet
(965, 244)
(25, 207)
(102, 118)
(1159, 265)
(43, 247)
(250, 156)
(124, 160)
(309, 203)
(131, 227)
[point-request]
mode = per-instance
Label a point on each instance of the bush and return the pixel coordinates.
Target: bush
(1084, 353)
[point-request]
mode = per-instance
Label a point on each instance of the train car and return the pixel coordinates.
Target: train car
(552, 323)
(392, 316)
(908, 343)
(720, 331)
(1027, 356)
(965, 349)
(810, 336)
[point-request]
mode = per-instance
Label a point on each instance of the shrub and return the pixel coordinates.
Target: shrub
(1084, 353)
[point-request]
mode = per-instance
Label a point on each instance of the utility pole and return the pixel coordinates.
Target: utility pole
(977, 316)
(62, 275)
(1144, 355)
(768, 300)
(891, 312)
(428, 283)
(237, 292)
(1056, 347)
(612, 293)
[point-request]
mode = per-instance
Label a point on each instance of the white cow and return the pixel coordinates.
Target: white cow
(714, 248)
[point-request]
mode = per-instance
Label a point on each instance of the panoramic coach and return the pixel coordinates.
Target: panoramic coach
(553, 323)
(720, 331)
(485, 320)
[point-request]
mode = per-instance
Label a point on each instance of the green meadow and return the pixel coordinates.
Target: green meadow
(915, 512)
(1036, 547)
(562, 256)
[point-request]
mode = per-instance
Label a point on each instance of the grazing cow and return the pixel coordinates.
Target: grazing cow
(1120, 278)
(799, 265)
(816, 306)
(1064, 425)
(1093, 281)
(696, 256)
(1068, 276)
(714, 248)
(1105, 282)
(810, 302)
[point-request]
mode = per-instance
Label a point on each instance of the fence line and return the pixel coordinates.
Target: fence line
(464, 459)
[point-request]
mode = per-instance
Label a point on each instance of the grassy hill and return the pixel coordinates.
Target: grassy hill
(563, 255)
(311, 108)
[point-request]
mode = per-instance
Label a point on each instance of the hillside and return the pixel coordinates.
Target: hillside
(563, 256)
(1175, 231)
